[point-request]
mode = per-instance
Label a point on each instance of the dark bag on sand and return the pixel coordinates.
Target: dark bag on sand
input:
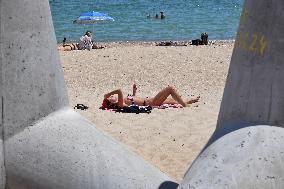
(196, 42)
(135, 109)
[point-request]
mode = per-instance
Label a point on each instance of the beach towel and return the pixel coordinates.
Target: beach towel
(127, 109)
(135, 109)
(164, 106)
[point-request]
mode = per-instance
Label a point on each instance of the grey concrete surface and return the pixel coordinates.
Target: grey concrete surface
(249, 158)
(254, 90)
(32, 78)
(43, 143)
(241, 153)
(66, 151)
(2, 167)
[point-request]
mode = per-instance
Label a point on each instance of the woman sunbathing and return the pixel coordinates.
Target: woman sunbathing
(115, 99)
(85, 43)
(76, 46)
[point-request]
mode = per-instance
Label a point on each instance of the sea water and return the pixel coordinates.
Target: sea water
(185, 19)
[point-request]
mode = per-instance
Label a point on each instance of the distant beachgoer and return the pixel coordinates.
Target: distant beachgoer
(202, 41)
(116, 99)
(66, 45)
(148, 16)
(157, 16)
(64, 41)
(162, 15)
(204, 38)
(85, 43)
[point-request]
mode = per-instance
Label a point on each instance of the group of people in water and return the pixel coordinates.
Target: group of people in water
(162, 15)
(86, 42)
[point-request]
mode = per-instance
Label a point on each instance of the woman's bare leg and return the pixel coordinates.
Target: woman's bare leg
(97, 47)
(189, 101)
(65, 48)
(160, 98)
(193, 100)
(170, 101)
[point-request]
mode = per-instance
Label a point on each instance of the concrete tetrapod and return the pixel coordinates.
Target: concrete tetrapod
(64, 150)
(2, 168)
(250, 157)
(241, 153)
(44, 143)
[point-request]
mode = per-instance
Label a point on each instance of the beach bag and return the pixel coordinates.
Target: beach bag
(196, 42)
(135, 109)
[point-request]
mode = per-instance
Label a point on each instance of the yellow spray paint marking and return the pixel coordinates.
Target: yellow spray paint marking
(252, 43)
(252, 47)
(263, 44)
(242, 41)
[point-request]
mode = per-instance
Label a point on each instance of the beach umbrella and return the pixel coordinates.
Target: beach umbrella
(92, 17)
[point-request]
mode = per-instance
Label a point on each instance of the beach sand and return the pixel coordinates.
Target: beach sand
(169, 139)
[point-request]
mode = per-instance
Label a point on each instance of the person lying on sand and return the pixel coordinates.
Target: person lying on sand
(85, 43)
(115, 99)
(170, 43)
(75, 46)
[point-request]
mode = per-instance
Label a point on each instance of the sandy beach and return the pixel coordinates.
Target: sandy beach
(170, 139)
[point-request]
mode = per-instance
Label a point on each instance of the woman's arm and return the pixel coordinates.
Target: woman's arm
(120, 102)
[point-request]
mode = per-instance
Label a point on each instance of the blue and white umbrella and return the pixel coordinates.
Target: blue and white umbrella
(92, 17)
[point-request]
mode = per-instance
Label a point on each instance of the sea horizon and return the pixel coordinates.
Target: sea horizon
(184, 21)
